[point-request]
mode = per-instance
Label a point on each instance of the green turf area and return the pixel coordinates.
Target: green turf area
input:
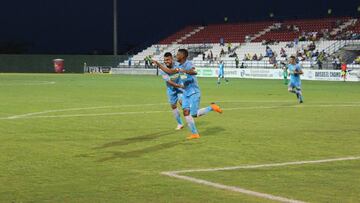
(94, 143)
(326, 182)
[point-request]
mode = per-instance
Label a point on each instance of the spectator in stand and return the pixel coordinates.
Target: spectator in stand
(148, 60)
(283, 52)
(296, 42)
(249, 57)
(245, 57)
(290, 45)
(296, 28)
(338, 62)
(233, 55)
(260, 57)
(316, 54)
(335, 62)
(312, 46)
(299, 56)
(308, 54)
(130, 58)
(255, 58)
(222, 53)
(222, 42)
(338, 22)
(357, 60)
(203, 56)
(216, 58)
(212, 58)
(237, 61)
(319, 63)
(157, 50)
(242, 65)
(229, 47)
(302, 37)
(273, 60)
(268, 52)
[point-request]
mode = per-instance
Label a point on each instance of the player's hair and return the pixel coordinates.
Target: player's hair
(184, 51)
(292, 57)
(168, 54)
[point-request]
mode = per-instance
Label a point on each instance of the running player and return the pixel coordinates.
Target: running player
(191, 94)
(343, 71)
(295, 82)
(173, 87)
(221, 73)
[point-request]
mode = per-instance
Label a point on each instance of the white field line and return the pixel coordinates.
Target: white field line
(124, 105)
(30, 83)
(138, 105)
(79, 109)
(175, 174)
(233, 188)
(39, 114)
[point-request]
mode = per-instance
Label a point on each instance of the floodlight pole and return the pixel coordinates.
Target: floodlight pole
(115, 40)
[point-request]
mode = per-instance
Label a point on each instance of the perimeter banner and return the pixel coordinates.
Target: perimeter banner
(327, 75)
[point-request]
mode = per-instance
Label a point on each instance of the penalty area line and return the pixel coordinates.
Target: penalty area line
(176, 174)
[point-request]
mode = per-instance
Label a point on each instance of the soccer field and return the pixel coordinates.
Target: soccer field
(107, 138)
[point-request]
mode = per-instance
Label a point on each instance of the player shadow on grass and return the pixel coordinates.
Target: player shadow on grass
(140, 152)
(130, 140)
(212, 131)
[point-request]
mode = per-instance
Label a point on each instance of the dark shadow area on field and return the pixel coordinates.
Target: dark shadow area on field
(136, 139)
(140, 152)
(212, 131)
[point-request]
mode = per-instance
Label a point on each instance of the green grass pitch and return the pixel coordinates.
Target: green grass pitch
(106, 138)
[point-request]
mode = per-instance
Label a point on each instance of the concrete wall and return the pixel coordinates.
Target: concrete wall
(44, 63)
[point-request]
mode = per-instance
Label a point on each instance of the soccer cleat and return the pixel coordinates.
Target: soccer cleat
(179, 127)
(193, 136)
(216, 108)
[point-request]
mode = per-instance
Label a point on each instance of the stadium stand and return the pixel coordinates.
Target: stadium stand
(230, 32)
(249, 42)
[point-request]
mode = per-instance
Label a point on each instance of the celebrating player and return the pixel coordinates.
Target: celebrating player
(191, 94)
(295, 83)
(221, 73)
(173, 87)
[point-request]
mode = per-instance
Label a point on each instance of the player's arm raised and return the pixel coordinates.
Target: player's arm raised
(164, 68)
(191, 71)
(172, 83)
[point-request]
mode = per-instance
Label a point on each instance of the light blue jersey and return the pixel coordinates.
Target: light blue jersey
(221, 70)
(294, 78)
(191, 96)
(174, 94)
(189, 81)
